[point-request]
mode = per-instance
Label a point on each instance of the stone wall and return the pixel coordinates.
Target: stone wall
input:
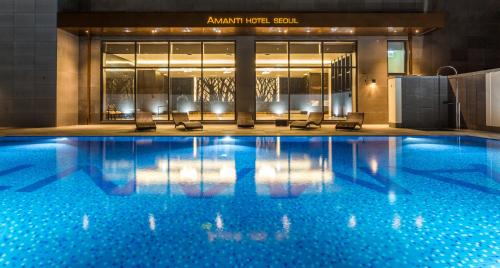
(470, 40)
(67, 78)
(28, 38)
(372, 64)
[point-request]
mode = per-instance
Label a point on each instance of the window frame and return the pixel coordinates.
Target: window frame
(405, 44)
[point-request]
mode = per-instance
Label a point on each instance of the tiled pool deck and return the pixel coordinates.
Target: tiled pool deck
(232, 130)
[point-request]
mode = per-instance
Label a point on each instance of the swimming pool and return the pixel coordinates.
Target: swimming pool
(250, 201)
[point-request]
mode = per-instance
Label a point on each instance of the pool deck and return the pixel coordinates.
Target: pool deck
(232, 130)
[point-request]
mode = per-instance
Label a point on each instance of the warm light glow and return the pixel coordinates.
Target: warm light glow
(286, 223)
(218, 62)
(218, 109)
(374, 165)
(278, 110)
(396, 222)
(352, 222)
(152, 222)
(278, 150)
(419, 222)
(219, 224)
(278, 172)
(392, 197)
(189, 171)
(85, 222)
(195, 147)
(189, 174)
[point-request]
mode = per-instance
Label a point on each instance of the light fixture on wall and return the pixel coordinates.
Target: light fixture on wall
(372, 83)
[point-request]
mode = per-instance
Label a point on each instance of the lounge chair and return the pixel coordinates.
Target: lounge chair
(314, 118)
(144, 120)
(182, 119)
(245, 120)
(353, 120)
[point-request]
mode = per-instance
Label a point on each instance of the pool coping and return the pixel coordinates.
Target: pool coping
(227, 130)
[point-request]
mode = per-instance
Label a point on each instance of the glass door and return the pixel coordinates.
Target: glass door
(271, 80)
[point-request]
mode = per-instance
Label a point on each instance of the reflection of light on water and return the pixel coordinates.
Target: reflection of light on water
(258, 236)
(226, 172)
(352, 222)
(286, 223)
(227, 139)
(189, 174)
(419, 222)
(296, 171)
(434, 147)
(374, 165)
(115, 164)
(42, 146)
(152, 222)
(396, 222)
(278, 146)
(267, 172)
(85, 222)
(392, 197)
(219, 223)
(163, 165)
(214, 171)
(195, 147)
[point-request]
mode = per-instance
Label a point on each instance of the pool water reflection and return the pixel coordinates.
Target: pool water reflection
(235, 201)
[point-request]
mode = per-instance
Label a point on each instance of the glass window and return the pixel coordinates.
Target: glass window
(119, 54)
(152, 92)
(218, 81)
(319, 77)
(185, 78)
(271, 80)
(272, 54)
(118, 94)
(305, 54)
(152, 54)
(305, 79)
(339, 86)
(396, 57)
(166, 77)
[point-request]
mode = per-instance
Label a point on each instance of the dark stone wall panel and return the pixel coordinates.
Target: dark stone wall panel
(256, 5)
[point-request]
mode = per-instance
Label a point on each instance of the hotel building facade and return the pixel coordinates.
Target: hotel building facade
(90, 62)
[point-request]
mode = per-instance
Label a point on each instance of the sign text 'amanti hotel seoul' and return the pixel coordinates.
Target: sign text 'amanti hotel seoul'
(235, 21)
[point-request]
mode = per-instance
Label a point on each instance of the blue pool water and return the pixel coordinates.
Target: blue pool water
(250, 201)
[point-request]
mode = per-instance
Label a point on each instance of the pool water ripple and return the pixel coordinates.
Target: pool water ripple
(250, 201)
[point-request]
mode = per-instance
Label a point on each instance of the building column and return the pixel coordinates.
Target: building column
(245, 74)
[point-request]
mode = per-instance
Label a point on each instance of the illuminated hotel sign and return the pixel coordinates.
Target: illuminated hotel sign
(235, 21)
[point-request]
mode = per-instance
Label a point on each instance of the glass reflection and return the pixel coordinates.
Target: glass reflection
(286, 167)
